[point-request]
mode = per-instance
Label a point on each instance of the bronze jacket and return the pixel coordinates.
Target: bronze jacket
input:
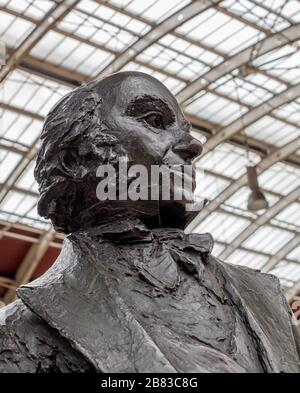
(123, 298)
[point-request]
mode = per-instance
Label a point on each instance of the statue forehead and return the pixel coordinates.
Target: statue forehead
(124, 87)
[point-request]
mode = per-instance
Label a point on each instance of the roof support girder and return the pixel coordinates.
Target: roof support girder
(275, 41)
(261, 220)
(252, 116)
(282, 253)
(59, 10)
(30, 263)
(158, 31)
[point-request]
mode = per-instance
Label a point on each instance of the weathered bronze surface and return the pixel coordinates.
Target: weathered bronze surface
(130, 291)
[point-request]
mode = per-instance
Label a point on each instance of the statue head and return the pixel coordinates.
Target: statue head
(127, 114)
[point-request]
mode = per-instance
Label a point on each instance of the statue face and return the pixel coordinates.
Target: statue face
(145, 122)
(148, 120)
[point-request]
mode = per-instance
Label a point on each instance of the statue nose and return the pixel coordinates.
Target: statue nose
(188, 150)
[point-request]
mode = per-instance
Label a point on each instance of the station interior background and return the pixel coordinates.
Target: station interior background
(234, 66)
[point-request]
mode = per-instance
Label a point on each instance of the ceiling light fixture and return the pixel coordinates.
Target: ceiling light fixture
(257, 200)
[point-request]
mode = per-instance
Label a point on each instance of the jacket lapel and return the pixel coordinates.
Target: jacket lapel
(79, 299)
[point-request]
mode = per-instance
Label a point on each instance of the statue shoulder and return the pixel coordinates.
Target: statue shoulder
(28, 344)
(261, 290)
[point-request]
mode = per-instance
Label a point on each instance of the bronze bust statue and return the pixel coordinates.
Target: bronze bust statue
(130, 291)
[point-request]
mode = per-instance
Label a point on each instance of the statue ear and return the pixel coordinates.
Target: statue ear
(71, 165)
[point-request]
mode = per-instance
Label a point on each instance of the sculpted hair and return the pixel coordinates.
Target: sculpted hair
(73, 141)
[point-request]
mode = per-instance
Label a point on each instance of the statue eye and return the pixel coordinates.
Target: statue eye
(155, 120)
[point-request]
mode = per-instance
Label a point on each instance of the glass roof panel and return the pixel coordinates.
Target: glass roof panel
(173, 61)
(291, 10)
(209, 186)
(295, 254)
(290, 214)
(268, 239)
(8, 161)
(19, 203)
(243, 92)
(22, 129)
(280, 178)
(227, 160)
(27, 181)
(223, 227)
(189, 49)
(69, 53)
(35, 9)
(266, 82)
(246, 258)
(282, 63)
(151, 9)
(13, 30)
(288, 271)
(32, 93)
(217, 109)
(259, 13)
(219, 31)
(273, 132)
(290, 112)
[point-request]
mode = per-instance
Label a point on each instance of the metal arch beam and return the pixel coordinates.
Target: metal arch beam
(217, 128)
(261, 220)
(175, 33)
(270, 10)
(175, 20)
(71, 75)
(282, 253)
(130, 14)
(48, 71)
(260, 48)
(30, 263)
(252, 116)
(259, 147)
(50, 19)
(74, 79)
(6, 225)
(20, 111)
(266, 163)
(192, 41)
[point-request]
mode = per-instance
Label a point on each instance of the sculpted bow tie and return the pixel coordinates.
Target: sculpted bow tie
(159, 254)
